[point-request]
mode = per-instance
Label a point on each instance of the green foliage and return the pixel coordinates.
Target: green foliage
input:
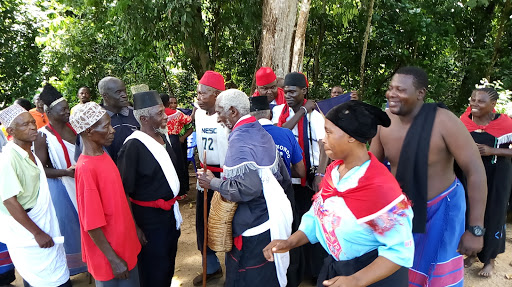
(169, 44)
(19, 63)
(452, 42)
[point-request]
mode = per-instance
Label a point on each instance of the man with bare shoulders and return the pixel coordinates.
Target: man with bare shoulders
(432, 138)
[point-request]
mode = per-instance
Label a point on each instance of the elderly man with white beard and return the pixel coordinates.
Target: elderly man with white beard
(254, 176)
(151, 171)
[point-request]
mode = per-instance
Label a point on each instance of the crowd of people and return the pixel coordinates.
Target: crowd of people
(345, 196)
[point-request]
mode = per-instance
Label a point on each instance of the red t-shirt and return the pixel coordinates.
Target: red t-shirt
(102, 203)
(176, 120)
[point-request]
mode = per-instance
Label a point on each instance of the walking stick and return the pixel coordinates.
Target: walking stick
(205, 220)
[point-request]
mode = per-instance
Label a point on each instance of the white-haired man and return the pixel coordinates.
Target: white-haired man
(27, 217)
(255, 177)
(151, 171)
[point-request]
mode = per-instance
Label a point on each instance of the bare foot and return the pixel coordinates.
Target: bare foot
(469, 261)
(488, 269)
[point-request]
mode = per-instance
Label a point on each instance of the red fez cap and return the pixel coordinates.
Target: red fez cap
(265, 76)
(214, 80)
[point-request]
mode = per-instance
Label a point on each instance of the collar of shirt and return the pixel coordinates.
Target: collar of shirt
(265, 122)
(19, 150)
(23, 153)
(242, 118)
(125, 111)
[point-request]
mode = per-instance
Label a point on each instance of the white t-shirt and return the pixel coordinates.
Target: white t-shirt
(212, 137)
(316, 122)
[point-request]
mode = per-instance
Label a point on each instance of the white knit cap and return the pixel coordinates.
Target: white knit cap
(85, 116)
(8, 115)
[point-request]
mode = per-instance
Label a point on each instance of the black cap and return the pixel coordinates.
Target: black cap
(358, 119)
(295, 79)
(147, 99)
(259, 103)
(49, 94)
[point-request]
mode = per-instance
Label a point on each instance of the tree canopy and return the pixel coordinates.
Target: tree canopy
(169, 44)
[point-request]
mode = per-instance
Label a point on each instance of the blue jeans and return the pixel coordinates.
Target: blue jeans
(132, 281)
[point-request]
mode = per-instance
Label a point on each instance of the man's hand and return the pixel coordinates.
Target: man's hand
(119, 268)
(310, 105)
(342, 281)
(354, 96)
(204, 178)
(484, 150)
(44, 240)
(469, 244)
(316, 183)
(71, 171)
(276, 246)
(142, 238)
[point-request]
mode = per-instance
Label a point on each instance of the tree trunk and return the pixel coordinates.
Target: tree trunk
(278, 23)
(365, 45)
(505, 15)
(300, 36)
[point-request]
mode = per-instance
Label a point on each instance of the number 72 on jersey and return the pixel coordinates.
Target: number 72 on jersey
(207, 143)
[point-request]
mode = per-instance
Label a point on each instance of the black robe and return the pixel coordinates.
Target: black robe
(144, 180)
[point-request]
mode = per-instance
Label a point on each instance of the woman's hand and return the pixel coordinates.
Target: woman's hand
(485, 150)
(342, 281)
(276, 246)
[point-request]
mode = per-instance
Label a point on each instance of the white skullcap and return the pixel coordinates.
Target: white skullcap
(8, 115)
(85, 116)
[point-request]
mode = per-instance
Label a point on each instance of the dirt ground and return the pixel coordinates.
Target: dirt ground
(188, 260)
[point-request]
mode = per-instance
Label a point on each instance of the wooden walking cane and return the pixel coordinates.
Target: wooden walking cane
(205, 219)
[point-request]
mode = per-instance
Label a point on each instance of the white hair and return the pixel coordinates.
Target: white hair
(142, 112)
(104, 85)
(236, 99)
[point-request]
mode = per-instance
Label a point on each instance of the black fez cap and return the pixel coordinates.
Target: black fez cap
(358, 119)
(259, 104)
(49, 94)
(147, 99)
(295, 79)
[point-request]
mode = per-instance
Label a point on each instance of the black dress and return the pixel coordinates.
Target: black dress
(499, 183)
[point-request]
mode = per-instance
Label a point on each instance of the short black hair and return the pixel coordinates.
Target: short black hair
(419, 75)
(493, 94)
(165, 99)
(83, 87)
(26, 104)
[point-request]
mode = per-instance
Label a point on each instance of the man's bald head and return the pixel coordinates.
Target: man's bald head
(113, 92)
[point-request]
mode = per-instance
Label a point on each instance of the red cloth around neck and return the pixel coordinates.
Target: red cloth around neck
(376, 189)
(279, 98)
(61, 142)
(285, 113)
(497, 128)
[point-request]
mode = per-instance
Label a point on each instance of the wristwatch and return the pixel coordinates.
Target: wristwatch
(476, 230)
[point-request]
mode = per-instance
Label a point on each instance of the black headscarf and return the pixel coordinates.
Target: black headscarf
(358, 119)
